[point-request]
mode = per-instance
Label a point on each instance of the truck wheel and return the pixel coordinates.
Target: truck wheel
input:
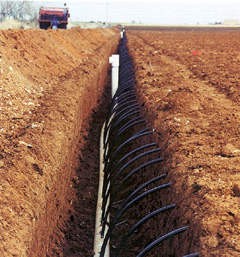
(62, 26)
(43, 25)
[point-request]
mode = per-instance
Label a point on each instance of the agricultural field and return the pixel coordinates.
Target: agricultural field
(51, 85)
(189, 84)
(55, 95)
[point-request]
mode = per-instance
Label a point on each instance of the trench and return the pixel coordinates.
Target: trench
(140, 216)
(78, 232)
(144, 218)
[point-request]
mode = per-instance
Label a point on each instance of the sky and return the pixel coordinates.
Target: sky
(151, 11)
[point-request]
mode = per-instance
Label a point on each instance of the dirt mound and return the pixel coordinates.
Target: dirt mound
(50, 82)
(189, 85)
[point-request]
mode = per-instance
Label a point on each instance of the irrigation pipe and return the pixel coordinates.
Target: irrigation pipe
(98, 239)
(99, 232)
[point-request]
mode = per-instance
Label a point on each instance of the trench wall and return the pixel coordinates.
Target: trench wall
(51, 82)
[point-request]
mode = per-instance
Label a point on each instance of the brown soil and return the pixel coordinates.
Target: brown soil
(50, 82)
(79, 232)
(189, 85)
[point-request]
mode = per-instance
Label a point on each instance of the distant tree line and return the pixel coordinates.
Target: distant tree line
(18, 10)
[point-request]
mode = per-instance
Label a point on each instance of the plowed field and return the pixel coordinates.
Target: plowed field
(189, 84)
(50, 83)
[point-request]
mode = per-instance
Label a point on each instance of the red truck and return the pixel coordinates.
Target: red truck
(53, 17)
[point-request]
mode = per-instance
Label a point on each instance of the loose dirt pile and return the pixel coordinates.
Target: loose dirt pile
(50, 82)
(189, 85)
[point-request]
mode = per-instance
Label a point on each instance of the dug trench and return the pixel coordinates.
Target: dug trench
(54, 107)
(80, 226)
(49, 147)
(74, 233)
